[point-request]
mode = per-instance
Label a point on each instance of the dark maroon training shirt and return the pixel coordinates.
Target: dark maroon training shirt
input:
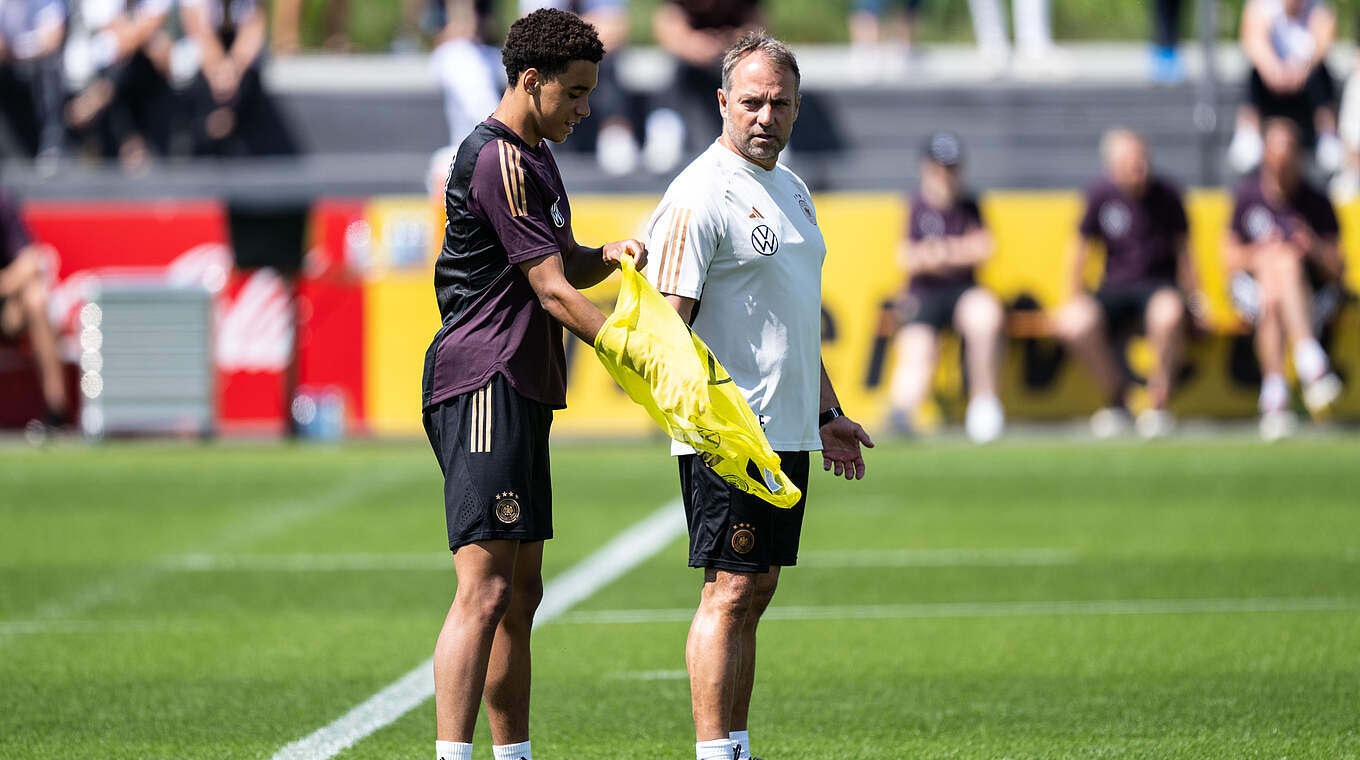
(506, 205)
(1141, 235)
(928, 222)
(1254, 218)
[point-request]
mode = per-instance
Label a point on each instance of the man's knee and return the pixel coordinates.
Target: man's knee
(485, 600)
(1077, 319)
(528, 594)
(1165, 312)
(980, 315)
(729, 594)
(766, 584)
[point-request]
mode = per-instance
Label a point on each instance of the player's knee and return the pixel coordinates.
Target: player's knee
(1076, 320)
(981, 315)
(1165, 313)
(730, 594)
(764, 594)
(485, 601)
(527, 596)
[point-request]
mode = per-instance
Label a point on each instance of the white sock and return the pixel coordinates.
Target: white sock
(1310, 360)
(452, 751)
(715, 749)
(518, 751)
(743, 740)
(1274, 393)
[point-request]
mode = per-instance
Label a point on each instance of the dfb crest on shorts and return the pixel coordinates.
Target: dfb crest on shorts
(743, 538)
(557, 215)
(507, 507)
(764, 240)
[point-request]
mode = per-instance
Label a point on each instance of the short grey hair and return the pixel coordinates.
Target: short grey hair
(1113, 137)
(759, 41)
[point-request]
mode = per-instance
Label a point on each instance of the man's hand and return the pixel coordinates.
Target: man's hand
(613, 253)
(841, 439)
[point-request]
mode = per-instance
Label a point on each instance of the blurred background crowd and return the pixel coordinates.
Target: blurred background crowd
(267, 107)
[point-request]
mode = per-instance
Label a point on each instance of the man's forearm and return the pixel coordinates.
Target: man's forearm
(828, 397)
(585, 267)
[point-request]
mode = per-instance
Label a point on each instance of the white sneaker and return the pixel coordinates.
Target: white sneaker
(665, 142)
(1320, 393)
(985, 420)
(1110, 422)
(1278, 424)
(1155, 423)
(1329, 153)
(616, 151)
(1244, 152)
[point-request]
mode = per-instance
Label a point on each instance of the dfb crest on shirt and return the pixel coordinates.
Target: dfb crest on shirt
(764, 240)
(557, 215)
(1258, 222)
(932, 224)
(1115, 219)
(806, 207)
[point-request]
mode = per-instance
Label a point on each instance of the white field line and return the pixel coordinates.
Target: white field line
(987, 610)
(611, 561)
(269, 518)
(832, 558)
(648, 675)
(312, 563)
(32, 627)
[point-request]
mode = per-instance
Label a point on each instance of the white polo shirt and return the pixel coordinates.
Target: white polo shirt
(743, 241)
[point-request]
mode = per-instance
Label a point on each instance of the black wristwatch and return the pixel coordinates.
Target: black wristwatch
(826, 417)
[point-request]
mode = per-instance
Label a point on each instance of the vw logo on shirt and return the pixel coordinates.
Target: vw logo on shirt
(764, 240)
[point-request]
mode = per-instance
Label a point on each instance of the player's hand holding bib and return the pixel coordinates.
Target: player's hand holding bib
(663, 366)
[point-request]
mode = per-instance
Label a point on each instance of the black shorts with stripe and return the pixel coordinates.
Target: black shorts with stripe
(492, 446)
(730, 529)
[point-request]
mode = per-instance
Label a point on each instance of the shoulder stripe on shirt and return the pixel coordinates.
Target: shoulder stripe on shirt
(679, 255)
(512, 177)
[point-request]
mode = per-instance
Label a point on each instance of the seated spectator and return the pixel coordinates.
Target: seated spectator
(1345, 186)
(467, 63)
(609, 131)
(232, 113)
(696, 33)
(31, 87)
(946, 242)
(1148, 284)
(1285, 276)
(23, 305)
(130, 102)
(1286, 42)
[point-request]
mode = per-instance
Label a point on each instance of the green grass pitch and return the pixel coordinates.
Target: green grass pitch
(1037, 599)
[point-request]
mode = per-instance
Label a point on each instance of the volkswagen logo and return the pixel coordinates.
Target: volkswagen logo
(764, 240)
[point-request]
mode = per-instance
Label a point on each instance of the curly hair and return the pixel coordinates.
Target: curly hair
(548, 40)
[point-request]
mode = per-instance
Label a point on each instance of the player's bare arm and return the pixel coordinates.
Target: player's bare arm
(841, 436)
(585, 266)
(562, 301)
(682, 305)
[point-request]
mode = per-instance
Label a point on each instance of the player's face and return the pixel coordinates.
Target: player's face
(1129, 166)
(564, 101)
(1280, 152)
(759, 109)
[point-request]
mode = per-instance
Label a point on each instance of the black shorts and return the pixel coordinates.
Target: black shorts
(492, 446)
(730, 529)
(1125, 306)
(934, 306)
(1300, 106)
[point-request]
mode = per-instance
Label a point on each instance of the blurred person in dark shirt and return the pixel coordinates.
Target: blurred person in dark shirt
(696, 33)
(23, 304)
(1149, 283)
(32, 91)
(232, 113)
(1285, 270)
(130, 102)
(946, 242)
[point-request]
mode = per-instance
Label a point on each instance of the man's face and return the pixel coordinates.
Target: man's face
(564, 101)
(1128, 165)
(759, 109)
(1279, 155)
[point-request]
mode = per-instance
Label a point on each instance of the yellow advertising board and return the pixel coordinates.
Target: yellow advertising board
(1033, 232)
